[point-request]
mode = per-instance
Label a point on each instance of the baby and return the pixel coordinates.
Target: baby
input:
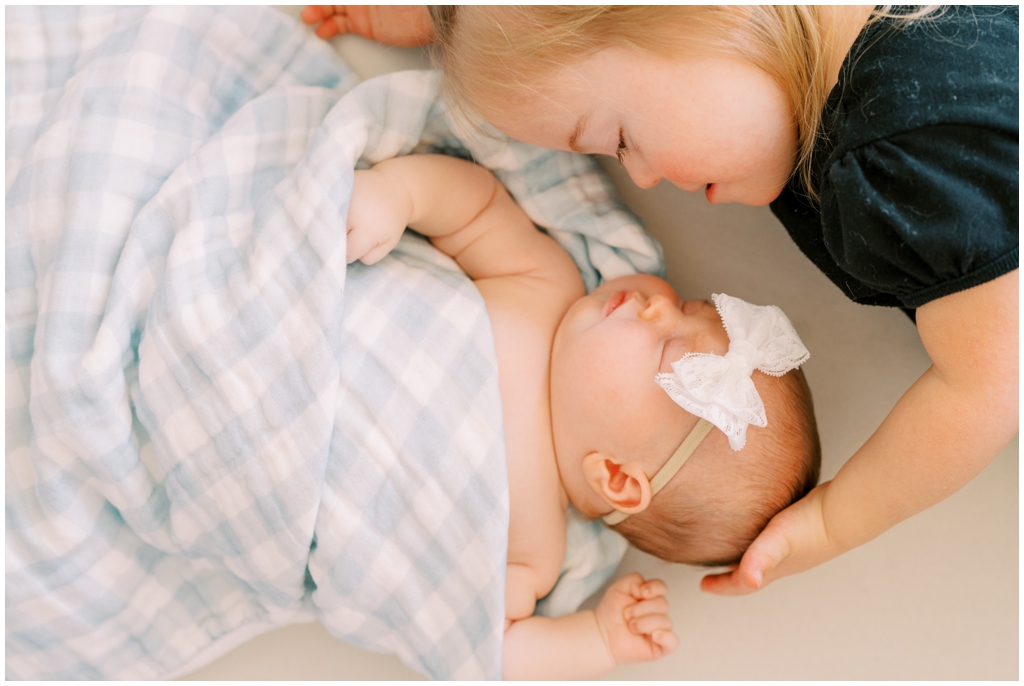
(609, 401)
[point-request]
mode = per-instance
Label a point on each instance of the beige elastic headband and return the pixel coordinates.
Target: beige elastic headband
(674, 464)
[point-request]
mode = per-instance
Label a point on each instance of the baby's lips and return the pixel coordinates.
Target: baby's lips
(616, 299)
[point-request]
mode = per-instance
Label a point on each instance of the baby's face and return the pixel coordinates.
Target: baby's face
(607, 351)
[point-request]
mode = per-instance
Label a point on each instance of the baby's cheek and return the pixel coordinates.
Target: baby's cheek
(711, 343)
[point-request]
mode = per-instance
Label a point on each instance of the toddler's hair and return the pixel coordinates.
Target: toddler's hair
(491, 53)
(711, 511)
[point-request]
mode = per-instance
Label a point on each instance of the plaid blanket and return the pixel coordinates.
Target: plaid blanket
(213, 427)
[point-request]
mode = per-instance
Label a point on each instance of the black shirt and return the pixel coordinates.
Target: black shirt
(917, 165)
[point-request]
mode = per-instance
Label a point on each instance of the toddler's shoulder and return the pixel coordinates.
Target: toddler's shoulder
(959, 67)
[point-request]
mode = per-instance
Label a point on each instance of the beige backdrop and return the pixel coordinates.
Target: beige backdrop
(934, 598)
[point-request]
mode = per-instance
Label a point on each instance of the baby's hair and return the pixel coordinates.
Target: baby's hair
(488, 53)
(711, 514)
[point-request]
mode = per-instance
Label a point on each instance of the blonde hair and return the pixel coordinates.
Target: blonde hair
(490, 52)
(710, 515)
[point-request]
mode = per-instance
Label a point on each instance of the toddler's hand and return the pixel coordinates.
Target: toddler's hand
(795, 539)
(405, 26)
(377, 216)
(634, 622)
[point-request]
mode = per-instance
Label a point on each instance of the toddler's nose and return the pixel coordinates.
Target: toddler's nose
(642, 176)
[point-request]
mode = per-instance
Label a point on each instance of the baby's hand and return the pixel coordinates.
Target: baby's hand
(634, 622)
(405, 26)
(377, 216)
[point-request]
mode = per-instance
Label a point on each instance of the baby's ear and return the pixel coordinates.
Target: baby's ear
(623, 486)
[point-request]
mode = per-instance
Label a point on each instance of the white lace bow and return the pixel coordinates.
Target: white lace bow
(719, 388)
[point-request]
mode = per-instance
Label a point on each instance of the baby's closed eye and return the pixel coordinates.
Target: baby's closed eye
(673, 350)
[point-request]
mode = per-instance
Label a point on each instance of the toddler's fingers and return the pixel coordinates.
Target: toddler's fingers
(330, 27)
(719, 583)
(311, 14)
(323, 15)
(748, 577)
(649, 624)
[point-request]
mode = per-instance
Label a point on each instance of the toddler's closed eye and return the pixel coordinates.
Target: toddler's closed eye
(622, 150)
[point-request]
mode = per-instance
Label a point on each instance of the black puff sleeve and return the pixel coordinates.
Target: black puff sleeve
(926, 213)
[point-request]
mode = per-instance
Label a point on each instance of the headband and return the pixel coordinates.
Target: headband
(674, 464)
(718, 387)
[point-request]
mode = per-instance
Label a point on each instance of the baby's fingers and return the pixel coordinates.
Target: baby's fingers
(378, 251)
(657, 605)
(653, 589)
(649, 624)
(356, 245)
(648, 616)
(666, 641)
(634, 585)
(365, 245)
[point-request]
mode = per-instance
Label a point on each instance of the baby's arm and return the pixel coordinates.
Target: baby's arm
(466, 214)
(631, 624)
(528, 282)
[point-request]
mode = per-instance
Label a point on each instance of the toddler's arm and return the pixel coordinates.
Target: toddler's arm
(944, 430)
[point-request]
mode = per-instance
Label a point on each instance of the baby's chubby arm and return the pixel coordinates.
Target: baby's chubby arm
(466, 214)
(630, 624)
(528, 282)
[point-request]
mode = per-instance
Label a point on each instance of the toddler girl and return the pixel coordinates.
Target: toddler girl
(886, 143)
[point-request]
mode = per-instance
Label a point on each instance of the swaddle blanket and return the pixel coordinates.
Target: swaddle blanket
(213, 426)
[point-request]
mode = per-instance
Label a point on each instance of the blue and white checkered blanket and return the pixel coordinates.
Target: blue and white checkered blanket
(213, 427)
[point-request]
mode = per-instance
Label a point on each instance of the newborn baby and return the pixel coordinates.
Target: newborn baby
(609, 400)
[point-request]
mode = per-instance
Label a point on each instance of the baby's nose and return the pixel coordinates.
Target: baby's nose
(659, 307)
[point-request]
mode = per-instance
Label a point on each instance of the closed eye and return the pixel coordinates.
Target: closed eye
(672, 351)
(622, 150)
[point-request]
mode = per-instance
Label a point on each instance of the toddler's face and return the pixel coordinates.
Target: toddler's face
(714, 124)
(606, 353)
